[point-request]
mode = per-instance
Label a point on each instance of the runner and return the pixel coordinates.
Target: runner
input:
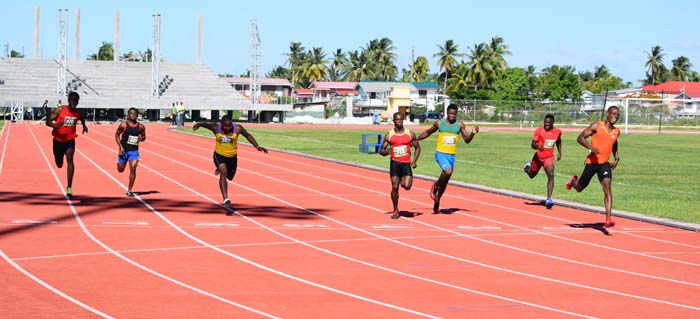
(129, 135)
(544, 140)
(63, 121)
(398, 143)
(226, 150)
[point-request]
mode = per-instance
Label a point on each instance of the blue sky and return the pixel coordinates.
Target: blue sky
(579, 33)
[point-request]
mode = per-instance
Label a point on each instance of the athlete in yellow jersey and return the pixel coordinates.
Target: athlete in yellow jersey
(226, 151)
(448, 130)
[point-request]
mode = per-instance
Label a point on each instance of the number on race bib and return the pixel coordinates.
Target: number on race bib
(448, 140)
(69, 121)
(225, 139)
(549, 143)
(133, 140)
(400, 150)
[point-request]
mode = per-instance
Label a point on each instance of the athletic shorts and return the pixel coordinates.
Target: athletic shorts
(128, 157)
(60, 148)
(538, 163)
(231, 164)
(400, 169)
(603, 170)
(445, 160)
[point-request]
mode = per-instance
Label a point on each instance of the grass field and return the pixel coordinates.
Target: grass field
(658, 174)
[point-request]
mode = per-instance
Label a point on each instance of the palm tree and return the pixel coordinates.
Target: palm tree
(479, 66)
(531, 78)
(601, 72)
(357, 68)
(336, 66)
(655, 63)
(460, 79)
(315, 69)
(295, 59)
(420, 69)
(497, 52)
(681, 68)
(447, 58)
(382, 57)
(278, 71)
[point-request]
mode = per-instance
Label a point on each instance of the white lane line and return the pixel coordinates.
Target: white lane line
(124, 258)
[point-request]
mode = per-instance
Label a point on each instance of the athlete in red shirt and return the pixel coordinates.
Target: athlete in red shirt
(398, 143)
(63, 121)
(604, 137)
(544, 140)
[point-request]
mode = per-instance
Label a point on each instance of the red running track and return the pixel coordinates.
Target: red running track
(310, 239)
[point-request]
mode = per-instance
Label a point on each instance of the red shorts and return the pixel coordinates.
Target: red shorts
(538, 163)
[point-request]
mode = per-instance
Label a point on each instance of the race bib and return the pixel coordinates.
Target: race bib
(449, 140)
(69, 121)
(133, 140)
(549, 143)
(400, 150)
(225, 139)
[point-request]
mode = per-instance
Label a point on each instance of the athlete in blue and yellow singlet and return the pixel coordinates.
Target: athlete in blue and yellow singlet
(226, 151)
(448, 130)
(398, 143)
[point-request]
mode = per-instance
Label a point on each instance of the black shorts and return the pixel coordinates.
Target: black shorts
(60, 148)
(400, 169)
(231, 164)
(603, 170)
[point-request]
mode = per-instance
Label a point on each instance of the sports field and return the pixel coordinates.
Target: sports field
(657, 174)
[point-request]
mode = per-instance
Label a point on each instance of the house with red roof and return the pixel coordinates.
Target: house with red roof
(325, 91)
(689, 91)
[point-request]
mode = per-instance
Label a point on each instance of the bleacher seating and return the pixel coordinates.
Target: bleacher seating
(108, 84)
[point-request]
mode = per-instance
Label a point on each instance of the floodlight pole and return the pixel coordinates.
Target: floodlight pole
(62, 52)
(155, 56)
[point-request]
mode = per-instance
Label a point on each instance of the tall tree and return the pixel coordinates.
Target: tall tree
(479, 65)
(655, 64)
(278, 71)
(601, 72)
(560, 82)
(681, 68)
(381, 59)
(104, 53)
(498, 50)
(315, 68)
(16, 54)
(357, 68)
(531, 75)
(420, 69)
(295, 60)
(447, 59)
(335, 69)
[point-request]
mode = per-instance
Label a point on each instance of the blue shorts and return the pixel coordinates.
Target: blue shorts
(128, 156)
(445, 160)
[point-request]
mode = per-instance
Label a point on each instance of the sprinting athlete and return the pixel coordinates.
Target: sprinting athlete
(448, 130)
(544, 140)
(226, 150)
(398, 143)
(63, 121)
(604, 137)
(129, 135)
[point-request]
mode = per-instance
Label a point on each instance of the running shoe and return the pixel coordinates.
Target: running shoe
(130, 194)
(526, 168)
(549, 203)
(227, 203)
(69, 191)
(571, 182)
(434, 190)
(395, 215)
(609, 223)
(436, 207)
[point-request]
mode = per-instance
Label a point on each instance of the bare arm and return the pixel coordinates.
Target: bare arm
(432, 129)
(416, 147)
(117, 136)
(82, 121)
(616, 155)
(586, 133)
(142, 134)
(559, 148)
(241, 130)
(384, 150)
(209, 126)
(467, 137)
(51, 118)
